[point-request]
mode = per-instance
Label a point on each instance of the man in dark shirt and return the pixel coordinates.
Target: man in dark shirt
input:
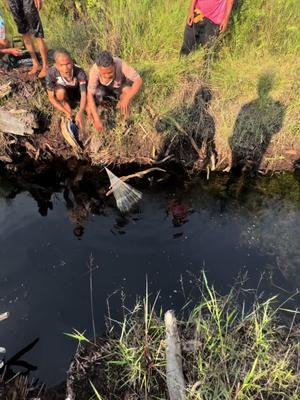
(27, 19)
(67, 85)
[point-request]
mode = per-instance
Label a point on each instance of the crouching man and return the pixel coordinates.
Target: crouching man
(67, 86)
(4, 43)
(111, 78)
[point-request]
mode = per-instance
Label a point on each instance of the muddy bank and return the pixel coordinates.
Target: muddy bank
(187, 136)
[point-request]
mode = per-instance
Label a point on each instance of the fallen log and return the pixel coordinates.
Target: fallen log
(175, 379)
(17, 122)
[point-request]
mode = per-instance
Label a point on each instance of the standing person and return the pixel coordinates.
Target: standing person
(4, 43)
(111, 78)
(67, 85)
(27, 19)
(206, 19)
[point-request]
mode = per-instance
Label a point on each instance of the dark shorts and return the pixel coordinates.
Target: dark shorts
(26, 17)
(200, 34)
(106, 94)
(73, 95)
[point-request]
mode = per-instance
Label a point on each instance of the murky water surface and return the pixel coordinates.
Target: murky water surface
(48, 235)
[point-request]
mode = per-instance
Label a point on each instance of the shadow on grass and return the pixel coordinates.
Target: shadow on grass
(257, 122)
(187, 125)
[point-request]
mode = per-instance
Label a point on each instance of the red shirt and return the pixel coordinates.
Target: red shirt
(213, 9)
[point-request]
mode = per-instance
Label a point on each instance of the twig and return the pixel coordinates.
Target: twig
(91, 296)
(180, 129)
(139, 174)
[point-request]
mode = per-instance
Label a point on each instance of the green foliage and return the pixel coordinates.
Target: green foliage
(229, 351)
(78, 336)
(263, 36)
(97, 394)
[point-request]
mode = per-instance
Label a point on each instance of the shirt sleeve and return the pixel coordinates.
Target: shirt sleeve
(82, 80)
(93, 80)
(50, 80)
(2, 29)
(129, 72)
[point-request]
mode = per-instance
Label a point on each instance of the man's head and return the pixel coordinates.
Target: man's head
(106, 67)
(64, 63)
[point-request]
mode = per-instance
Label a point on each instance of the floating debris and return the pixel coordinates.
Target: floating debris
(126, 196)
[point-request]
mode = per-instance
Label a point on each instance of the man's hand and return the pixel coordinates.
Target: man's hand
(38, 4)
(98, 125)
(69, 115)
(190, 18)
(79, 119)
(15, 52)
(223, 26)
(123, 105)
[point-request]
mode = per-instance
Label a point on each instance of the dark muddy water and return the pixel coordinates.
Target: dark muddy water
(49, 232)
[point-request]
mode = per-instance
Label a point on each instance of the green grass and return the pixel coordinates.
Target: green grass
(229, 352)
(263, 37)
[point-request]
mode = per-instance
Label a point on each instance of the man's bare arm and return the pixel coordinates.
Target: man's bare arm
(82, 107)
(128, 94)
(135, 88)
(57, 104)
(224, 24)
(94, 111)
(190, 17)
(38, 4)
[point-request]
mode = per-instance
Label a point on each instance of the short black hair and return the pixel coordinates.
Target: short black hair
(61, 52)
(104, 59)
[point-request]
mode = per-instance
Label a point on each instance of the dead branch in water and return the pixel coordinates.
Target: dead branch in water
(139, 174)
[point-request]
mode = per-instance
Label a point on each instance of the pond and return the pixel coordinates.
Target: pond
(55, 230)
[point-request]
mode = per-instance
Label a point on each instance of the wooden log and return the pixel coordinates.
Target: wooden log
(175, 378)
(17, 122)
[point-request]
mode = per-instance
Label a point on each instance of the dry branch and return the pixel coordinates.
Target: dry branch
(139, 174)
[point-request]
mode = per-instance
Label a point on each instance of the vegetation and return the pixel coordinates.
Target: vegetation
(230, 351)
(263, 37)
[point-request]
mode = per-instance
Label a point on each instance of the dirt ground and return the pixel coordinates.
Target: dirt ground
(191, 144)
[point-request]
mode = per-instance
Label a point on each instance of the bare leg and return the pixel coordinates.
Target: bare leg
(29, 46)
(43, 51)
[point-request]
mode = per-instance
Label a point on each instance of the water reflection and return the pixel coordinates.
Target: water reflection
(250, 226)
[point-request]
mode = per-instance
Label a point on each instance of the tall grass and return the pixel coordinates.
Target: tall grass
(229, 352)
(263, 36)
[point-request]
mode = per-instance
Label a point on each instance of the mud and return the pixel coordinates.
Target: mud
(190, 142)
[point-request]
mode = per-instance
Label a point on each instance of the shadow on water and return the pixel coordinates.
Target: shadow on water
(178, 229)
(191, 121)
(256, 124)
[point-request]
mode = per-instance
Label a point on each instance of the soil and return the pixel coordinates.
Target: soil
(191, 145)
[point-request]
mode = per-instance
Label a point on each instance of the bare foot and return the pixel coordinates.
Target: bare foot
(43, 73)
(34, 69)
